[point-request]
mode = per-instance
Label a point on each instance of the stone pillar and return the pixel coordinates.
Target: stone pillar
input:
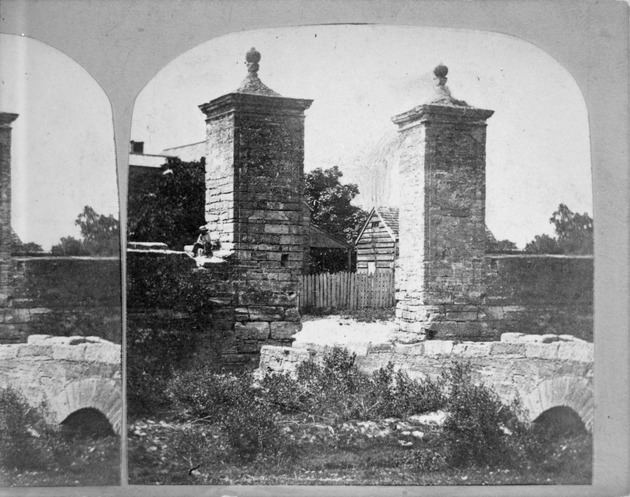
(5, 204)
(440, 271)
(254, 171)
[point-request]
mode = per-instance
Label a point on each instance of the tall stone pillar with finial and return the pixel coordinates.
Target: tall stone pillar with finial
(254, 171)
(440, 272)
(5, 204)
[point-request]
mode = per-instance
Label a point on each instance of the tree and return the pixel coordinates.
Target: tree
(101, 236)
(574, 234)
(69, 246)
(543, 244)
(168, 207)
(575, 231)
(26, 248)
(495, 246)
(331, 203)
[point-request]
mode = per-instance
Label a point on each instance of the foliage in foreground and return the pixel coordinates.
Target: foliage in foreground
(332, 423)
(32, 453)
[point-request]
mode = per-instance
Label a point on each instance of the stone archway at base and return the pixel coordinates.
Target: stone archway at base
(569, 391)
(95, 393)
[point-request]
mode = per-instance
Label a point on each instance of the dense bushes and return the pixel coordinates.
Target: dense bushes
(249, 411)
(19, 423)
(476, 427)
(247, 419)
(330, 418)
(336, 390)
(153, 353)
(33, 453)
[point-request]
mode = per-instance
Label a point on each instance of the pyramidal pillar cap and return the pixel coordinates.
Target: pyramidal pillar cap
(252, 83)
(442, 106)
(254, 96)
(6, 118)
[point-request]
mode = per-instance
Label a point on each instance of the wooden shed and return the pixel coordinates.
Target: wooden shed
(377, 244)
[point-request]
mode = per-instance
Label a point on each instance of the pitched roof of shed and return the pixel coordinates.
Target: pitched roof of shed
(389, 216)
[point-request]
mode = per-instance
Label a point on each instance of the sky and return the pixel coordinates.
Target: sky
(538, 152)
(62, 142)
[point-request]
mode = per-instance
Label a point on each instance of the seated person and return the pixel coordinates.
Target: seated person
(203, 245)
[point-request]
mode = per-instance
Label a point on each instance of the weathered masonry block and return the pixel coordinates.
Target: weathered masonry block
(5, 205)
(441, 268)
(254, 171)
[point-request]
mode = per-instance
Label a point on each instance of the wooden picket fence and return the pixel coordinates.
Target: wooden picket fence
(347, 290)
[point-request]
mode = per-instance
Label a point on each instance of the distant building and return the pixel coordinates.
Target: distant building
(377, 243)
(141, 163)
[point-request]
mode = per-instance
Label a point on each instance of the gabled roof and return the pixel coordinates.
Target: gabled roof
(389, 218)
(319, 238)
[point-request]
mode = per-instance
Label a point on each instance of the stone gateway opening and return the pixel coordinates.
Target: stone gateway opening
(87, 421)
(559, 421)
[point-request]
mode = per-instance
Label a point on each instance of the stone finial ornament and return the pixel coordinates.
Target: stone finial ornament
(252, 83)
(440, 72)
(252, 59)
(442, 94)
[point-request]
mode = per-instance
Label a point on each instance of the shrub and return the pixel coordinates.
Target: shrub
(251, 428)
(19, 423)
(153, 353)
(247, 418)
(336, 390)
(204, 394)
(394, 394)
(475, 427)
(285, 393)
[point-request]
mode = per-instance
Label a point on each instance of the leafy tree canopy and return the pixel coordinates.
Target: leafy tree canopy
(497, 246)
(100, 236)
(69, 246)
(331, 203)
(26, 248)
(168, 207)
(574, 234)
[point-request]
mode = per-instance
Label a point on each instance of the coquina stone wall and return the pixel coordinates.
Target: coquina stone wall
(538, 294)
(542, 371)
(228, 315)
(67, 374)
(62, 296)
(533, 294)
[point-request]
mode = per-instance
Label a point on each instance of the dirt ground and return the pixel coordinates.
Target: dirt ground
(338, 330)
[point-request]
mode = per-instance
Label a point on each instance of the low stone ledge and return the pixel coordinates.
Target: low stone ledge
(9, 351)
(472, 349)
(508, 348)
(438, 347)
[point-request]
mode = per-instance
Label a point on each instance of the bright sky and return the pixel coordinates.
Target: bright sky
(63, 141)
(538, 152)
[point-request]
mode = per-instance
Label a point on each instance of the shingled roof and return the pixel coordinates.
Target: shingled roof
(389, 216)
